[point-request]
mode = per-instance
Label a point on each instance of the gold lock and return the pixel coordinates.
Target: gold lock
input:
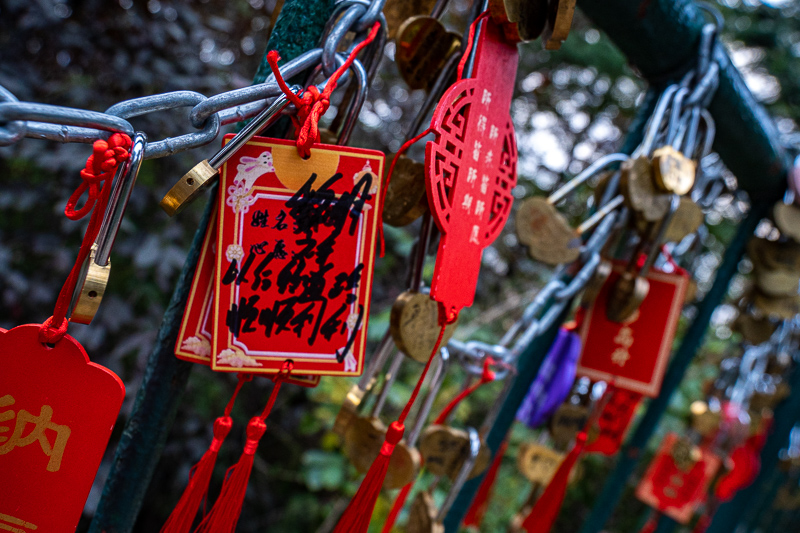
(349, 409)
(188, 188)
(673, 172)
(192, 184)
(93, 278)
(92, 282)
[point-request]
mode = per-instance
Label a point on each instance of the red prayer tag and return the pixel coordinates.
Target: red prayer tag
(57, 411)
(472, 167)
(633, 355)
(674, 489)
(296, 249)
(606, 437)
(196, 338)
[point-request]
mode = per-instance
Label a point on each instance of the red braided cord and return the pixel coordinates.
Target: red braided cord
(471, 37)
(100, 167)
(312, 104)
(487, 377)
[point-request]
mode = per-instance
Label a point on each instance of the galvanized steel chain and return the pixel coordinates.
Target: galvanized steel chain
(207, 114)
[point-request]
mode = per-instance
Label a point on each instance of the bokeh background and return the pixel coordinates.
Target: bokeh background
(570, 107)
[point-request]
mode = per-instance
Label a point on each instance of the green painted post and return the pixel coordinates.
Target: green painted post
(629, 455)
(740, 509)
(659, 37)
(298, 28)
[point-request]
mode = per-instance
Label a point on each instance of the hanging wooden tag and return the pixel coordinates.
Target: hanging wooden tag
(472, 167)
(677, 479)
(296, 249)
(57, 411)
(195, 338)
(633, 354)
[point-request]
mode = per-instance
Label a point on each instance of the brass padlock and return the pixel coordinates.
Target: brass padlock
(673, 172)
(94, 274)
(630, 290)
(362, 444)
(194, 182)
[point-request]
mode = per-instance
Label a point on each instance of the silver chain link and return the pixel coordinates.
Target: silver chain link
(207, 114)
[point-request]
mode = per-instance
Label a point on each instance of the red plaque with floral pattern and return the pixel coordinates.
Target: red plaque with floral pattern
(196, 338)
(295, 255)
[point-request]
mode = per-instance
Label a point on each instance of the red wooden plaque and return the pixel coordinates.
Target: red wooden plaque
(57, 411)
(606, 438)
(633, 355)
(296, 249)
(196, 338)
(674, 491)
(471, 167)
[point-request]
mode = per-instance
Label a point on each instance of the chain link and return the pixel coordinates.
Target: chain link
(207, 114)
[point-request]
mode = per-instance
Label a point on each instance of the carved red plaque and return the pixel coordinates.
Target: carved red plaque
(633, 355)
(472, 167)
(296, 249)
(57, 411)
(196, 338)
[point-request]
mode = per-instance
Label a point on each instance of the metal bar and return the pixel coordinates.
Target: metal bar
(692, 340)
(740, 509)
(300, 24)
(529, 363)
(156, 404)
(660, 38)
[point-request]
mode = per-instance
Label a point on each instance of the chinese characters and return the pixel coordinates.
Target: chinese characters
(42, 431)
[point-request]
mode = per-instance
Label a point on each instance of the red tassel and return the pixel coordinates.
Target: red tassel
(397, 506)
(225, 513)
(182, 517)
(358, 514)
(545, 511)
(477, 509)
(651, 524)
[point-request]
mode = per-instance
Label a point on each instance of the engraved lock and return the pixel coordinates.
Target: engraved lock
(414, 325)
(673, 172)
(546, 232)
(538, 463)
(638, 187)
(362, 444)
(445, 449)
(423, 47)
(476, 453)
(358, 392)
(199, 178)
(422, 515)
(406, 199)
(94, 274)
(631, 288)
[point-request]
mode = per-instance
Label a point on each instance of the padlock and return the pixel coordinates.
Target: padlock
(194, 182)
(546, 232)
(94, 274)
(673, 172)
(632, 287)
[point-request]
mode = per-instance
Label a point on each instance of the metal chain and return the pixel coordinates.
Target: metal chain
(207, 114)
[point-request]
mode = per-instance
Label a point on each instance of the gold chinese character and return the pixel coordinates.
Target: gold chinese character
(624, 337)
(620, 356)
(41, 423)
